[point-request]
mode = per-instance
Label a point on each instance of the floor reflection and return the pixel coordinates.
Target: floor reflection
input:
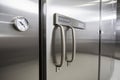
(116, 73)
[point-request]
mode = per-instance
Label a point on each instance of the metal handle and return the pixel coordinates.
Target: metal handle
(63, 46)
(73, 47)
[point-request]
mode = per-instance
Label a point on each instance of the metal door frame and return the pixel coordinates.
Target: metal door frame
(43, 41)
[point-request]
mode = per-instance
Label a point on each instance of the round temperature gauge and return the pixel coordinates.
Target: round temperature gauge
(21, 23)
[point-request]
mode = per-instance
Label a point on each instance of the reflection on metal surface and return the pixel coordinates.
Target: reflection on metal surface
(5, 22)
(109, 17)
(116, 72)
(24, 5)
(92, 3)
(85, 5)
(8, 35)
(99, 1)
(81, 13)
(5, 14)
(44, 9)
(112, 2)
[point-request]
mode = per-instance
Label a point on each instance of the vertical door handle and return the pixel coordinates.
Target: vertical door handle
(73, 46)
(63, 46)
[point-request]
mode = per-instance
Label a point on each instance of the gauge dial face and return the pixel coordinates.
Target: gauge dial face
(21, 23)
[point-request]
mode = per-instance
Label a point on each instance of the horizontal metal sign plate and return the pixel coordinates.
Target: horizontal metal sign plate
(67, 21)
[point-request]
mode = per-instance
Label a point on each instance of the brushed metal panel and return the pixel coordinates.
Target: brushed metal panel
(117, 54)
(85, 65)
(18, 46)
(108, 36)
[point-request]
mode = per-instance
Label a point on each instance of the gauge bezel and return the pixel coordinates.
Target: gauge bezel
(16, 25)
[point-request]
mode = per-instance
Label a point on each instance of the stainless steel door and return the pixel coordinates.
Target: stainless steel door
(85, 63)
(16, 46)
(117, 54)
(108, 36)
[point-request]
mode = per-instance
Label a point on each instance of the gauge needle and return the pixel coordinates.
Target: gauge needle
(22, 24)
